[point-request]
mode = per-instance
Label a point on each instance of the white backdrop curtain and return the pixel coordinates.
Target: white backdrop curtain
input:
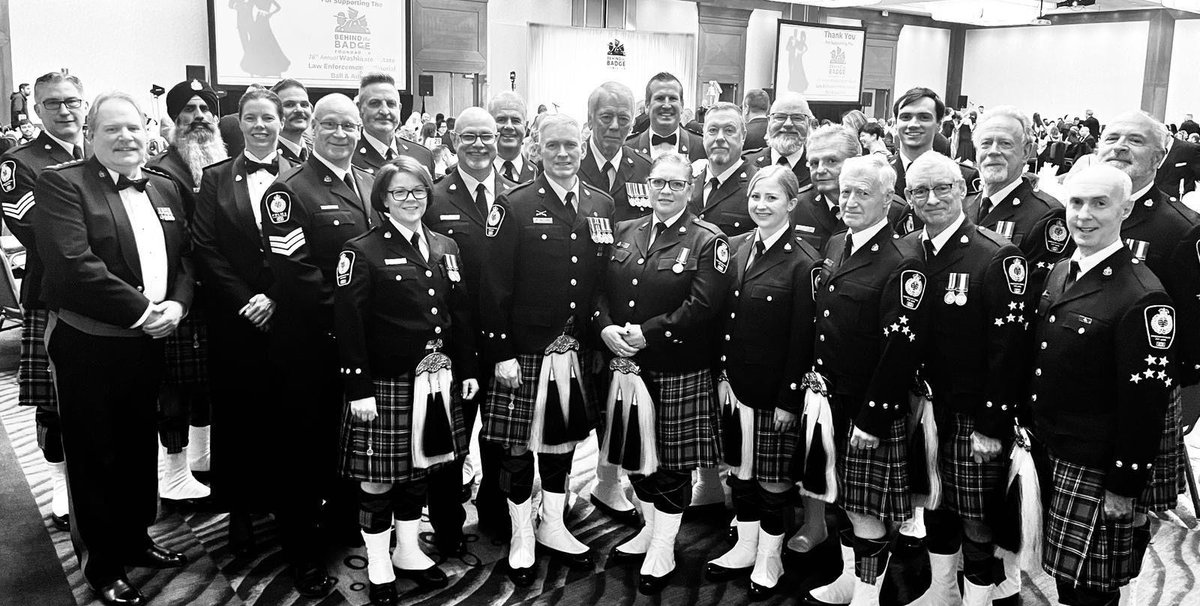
(567, 63)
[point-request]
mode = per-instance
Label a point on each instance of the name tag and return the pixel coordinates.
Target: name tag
(400, 261)
(808, 229)
(164, 213)
(449, 217)
(542, 220)
(330, 207)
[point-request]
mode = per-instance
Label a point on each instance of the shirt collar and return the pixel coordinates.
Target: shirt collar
(293, 147)
(380, 147)
(518, 163)
(269, 159)
(404, 231)
(723, 177)
(670, 220)
(1137, 195)
(770, 240)
(940, 240)
(562, 193)
(472, 184)
(1092, 260)
(858, 239)
(599, 158)
(793, 158)
(999, 196)
(69, 147)
(340, 173)
(114, 175)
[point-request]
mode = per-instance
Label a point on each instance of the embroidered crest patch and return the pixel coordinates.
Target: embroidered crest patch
(345, 267)
(8, 175)
(1160, 326)
(494, 219)
(1016, 273)
(1057, 236)
(721, 260)
(279, 207)
(912, 284)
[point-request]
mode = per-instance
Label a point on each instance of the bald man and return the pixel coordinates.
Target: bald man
(787, 132)
(307, 215)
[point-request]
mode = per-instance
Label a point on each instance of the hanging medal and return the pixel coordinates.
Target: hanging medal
(638, 195)
(1006, 229)
(452, 271)
(681, 260)
(956, 289)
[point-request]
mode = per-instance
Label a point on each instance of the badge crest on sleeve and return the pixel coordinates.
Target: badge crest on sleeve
(494, 219)
(8, 175)
(1016, 273)
(721, 260)
(1056, 236)
(1160, 326)
(344, 267)
(279, 207)
(912, 288)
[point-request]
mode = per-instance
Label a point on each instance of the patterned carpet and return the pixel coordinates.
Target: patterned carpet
(216, 577)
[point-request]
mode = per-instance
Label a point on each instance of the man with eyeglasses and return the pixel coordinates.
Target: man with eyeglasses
(787, 133)
(459, 209)
(379, 109)
(508, 108)
(295, 138)
(918, 113)
(611, 165)
(307, 216)
(664, 104)
(58, 101)
(978, 288)
(546, 244)
(719, 192)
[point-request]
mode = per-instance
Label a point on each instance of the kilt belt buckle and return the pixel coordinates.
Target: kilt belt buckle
(562, 344)
(814, 382)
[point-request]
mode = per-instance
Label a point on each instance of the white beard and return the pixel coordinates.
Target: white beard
(199, 148)
(785, 144)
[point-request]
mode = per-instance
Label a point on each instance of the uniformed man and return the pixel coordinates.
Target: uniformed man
(546, 245)
(379, 109)
(1010, 204)
(459, 209)
(755, 106)
(664, 104)
(295, 138)
(117, 282)
(611, 165)
(1105, 329)
(1180, 169)
(719, 191)
(1165, 235)
(787, 132)
(58, 101)
(307, 215)
(508, 108)
(186, 401)
(973, 362)
(870, 320)
(666, 277)
(918, 113)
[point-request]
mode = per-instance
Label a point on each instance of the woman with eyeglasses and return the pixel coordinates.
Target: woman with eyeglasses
(403, 327)
(666, 279)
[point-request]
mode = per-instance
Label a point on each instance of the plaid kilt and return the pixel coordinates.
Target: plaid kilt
(874, 481)
(968, 488)
(1081, 547)
(381, 450)
(1167, 477)
(33, 370)
(187, 353)
(508, 414)
(773, 451)
(686, 421)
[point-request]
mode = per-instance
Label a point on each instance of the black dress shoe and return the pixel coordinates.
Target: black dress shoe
(652, 585)
(121, 593)
(312, 581)
(720, 574)
(466, 491)
(616, 556)
(383, 594)
(62, 522)
(204, 477)
(629, 516)
(156, 556)
(578, 561)
(205, 504)
(759, 593)
(430, 578)
(521, 577)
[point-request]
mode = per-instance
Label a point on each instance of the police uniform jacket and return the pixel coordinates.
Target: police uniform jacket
(762, 158)
(451, 212)
(756, 133)
(973, 357)
(307, 216)
(286, 152)
(368, 159)
(970, 175)
(1102, 369)
(1033, 220)
(19, 170)
(870, 319)
(726, 206)
(769, 317)
(391, 302)
(673, 289)
(173, 165)
(86, 241)
(1165, 235)
(814, 222)
(634, 168)
(687, 143)
(540, 270)
(526, 174)
(1180, 167)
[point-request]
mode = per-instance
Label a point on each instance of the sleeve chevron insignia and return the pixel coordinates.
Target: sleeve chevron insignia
(17, 210)
(287, 244)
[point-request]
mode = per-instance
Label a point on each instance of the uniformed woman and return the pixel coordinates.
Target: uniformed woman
(768, 317)
(665, 281)
(404, 337)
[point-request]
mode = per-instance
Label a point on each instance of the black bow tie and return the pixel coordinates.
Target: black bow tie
(253, 167)
(123, 182)
(655, 139)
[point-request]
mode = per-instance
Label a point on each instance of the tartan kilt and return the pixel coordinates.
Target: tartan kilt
(381, 450)
(968, 488)
(686, 421)
(874, 481)
(1167, 477)
(187, 353)
(1081, 547)
(507, 415)
(36, 386)
(773, 450)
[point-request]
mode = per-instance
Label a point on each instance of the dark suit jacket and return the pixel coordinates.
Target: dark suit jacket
(527, 173)
(286, 152)
(366, 158)
(756, 133)
(1180, 170)
(86, 241)
(634, 168)
(726, 207)
(172, 163)
(762, 158)
(689, 144)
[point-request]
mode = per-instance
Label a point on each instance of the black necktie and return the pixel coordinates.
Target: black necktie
(657, 140)
(349, 181)
(713, 184)
(253, 167)
(77, 152)
(481, 200)
(607, 180)
(659, 228)
(848, 249)
(303, 153)
(569, 206)
(416, 243)
(1072, 275)
(124, 182)
(760, 249)
(783, 161)
(508, 171)
(391, 154)
(985, 207)
(930, 252)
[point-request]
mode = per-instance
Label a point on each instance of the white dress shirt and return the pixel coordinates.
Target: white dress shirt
(858, 239)
(489, 187)
(941, 239)
(150, 242)
(669, 222)
(257, 183)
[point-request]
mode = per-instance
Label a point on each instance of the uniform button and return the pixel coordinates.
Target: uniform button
(820, 362)
(640, 261)
(574, 236)
(1081, 330)
(139, 289)
(491, 335)
(635, 282)
(1043, 345)
(336, 222)
(989, 404)
(572, 305)
(769, 298)
(437, 330)
(1037, 372)
(871, 404)
(830, 288)
(732, 315)
(727, 337)
(573, 282)
(543, 236)
(432, 292)
(428, 274)
(822, 338)
(722, 358)
(826, 314)
(793, 386)
(433, 310)
(450, 232)
(1051, 319)
(667, 334)
(737, 292)
(1033, 398)
(701, 215)
(398, 278)
(574, 259)
(631, 303)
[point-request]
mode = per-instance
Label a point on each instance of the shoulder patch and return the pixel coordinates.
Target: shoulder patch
(912, 288)
(721, 260)
(8, 175)
(494, 219)
(1160, 326)
(279, 207)
(345, 267)
(1016, 273)
(1057, 235)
